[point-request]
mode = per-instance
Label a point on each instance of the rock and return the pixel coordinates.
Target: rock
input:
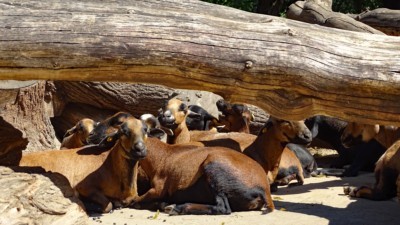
(34, 198)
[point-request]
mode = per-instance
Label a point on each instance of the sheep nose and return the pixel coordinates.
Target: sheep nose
(167, 113)
(140, 146)
(307, 135)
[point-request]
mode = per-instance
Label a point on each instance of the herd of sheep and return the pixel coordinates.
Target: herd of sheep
(186, 161)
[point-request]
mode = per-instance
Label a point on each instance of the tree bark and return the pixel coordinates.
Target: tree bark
(312, 12)
(290, 69)
(25, 119)
(385, 20)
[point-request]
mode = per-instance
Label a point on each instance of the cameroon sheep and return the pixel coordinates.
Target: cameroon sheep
(234, 118)
(108, 126)
(387, 167)
(98, 174)
(360, 157)
(295, 160)
(356, 133)
(175, 111)
(296, 163)
(200, 180)
(77, 135)
(387, 184)
(203, 180)
(201, 122)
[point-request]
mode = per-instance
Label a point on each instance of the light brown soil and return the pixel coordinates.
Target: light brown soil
(319, 201)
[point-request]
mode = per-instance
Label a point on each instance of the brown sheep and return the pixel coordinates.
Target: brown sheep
(203, 180)
(296, 162)
(234, 118)
(387, 168)
(387, 184)
(77, 135)
(101, 175)
(355, 133)
(213, 180)
(265, 149)
(174, 117)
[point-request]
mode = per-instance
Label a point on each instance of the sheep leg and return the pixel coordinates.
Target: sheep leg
(299, 178)
(99, 198)
(365, 192)
(151, 195)
(222, 207)
(269, 203)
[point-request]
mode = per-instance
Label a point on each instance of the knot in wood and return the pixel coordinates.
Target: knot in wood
(56, 65)
(290, 32)
(248, 64)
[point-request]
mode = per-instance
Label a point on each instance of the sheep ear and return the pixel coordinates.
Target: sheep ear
(266, 127)
(69, 132)
(193, 115)
(157, 133)
(168, 131)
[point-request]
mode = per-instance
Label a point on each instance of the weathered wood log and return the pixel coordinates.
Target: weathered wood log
(99, 100)
(25, 119)
(385, 20)
(290, 69)
(317, 12)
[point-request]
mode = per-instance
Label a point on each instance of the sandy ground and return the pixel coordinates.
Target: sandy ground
(319, 201)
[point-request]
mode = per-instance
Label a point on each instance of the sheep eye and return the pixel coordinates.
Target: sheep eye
(182, 107)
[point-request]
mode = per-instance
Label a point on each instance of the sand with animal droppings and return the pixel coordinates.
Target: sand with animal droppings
(319, 201)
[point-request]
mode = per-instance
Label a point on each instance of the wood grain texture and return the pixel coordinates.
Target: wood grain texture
(385, 20)
(319, 12)
(290, 69)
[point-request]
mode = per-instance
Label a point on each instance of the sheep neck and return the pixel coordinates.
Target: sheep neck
(388, 135)
(181, 134)
(124, 168)
(156, 153)
(242, 127)
(267, 151)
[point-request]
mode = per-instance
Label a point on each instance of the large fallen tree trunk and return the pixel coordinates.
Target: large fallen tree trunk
(385, 20)
(290, 69)
(320, 12)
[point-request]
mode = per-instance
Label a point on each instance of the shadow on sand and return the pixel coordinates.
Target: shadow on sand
(358, 211)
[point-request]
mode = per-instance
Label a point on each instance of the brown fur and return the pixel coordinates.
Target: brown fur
(77, 135)
(387, 183)
(266, 148)
(288, 160)
(100, 175)
(387, 168)
(385, 135)
(233, 119)
(179, 112)
(173, 168)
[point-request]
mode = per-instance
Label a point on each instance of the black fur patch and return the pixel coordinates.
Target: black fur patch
(306, 159)
(240, 196)
(284, 172)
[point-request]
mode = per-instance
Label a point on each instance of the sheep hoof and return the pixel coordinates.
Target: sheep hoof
(350, 191)
(346, 190)
(108, 208)
(117, 205)
(171, 210)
